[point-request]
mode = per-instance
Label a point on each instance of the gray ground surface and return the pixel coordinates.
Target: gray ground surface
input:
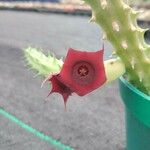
(92, 122)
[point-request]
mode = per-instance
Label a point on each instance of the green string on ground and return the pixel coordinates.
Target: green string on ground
(37, 133)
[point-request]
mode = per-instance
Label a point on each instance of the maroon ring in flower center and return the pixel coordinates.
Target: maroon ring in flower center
(83, 73)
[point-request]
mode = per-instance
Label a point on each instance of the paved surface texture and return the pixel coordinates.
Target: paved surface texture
(92, 122)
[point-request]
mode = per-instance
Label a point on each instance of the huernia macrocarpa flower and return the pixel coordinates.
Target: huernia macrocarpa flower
(82, 72)
(59, 87)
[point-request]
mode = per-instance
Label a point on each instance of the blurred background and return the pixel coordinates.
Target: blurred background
(92, 122)
(73, 7)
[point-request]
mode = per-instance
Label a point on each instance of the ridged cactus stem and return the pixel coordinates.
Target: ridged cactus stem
(118, 21)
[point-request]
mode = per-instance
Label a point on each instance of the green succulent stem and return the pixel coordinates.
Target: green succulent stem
(42, 64)
(114, 68)
(118, 21)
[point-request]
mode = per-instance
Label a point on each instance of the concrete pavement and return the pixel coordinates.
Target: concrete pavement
(92, 122)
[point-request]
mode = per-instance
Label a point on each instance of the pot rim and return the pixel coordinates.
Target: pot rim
(134, 89)
(136, 102)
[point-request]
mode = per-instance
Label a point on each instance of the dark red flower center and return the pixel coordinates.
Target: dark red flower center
(83, 70)
(83, 73)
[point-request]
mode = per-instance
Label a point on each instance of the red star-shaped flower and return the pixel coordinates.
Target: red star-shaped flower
(83, 72)
(59, 87)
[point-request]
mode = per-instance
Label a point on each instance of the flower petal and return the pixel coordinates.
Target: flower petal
(59, 87)
(83, 72)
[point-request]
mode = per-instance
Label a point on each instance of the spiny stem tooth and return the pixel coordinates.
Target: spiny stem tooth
(141, 76)
(142, 30)
(126, 7)
(147, 60)
(103, 3)
(141, 79)
(104, 36)
(134, 12)
(36, 75)
(124, 44)
(83, 2)
(133, 63)
(29, 69)
(92, 19)
(115, 26)
(113, 54)
(141, 47)
(133, 28)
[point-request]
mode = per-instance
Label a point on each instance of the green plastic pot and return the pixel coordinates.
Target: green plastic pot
(137, 108)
